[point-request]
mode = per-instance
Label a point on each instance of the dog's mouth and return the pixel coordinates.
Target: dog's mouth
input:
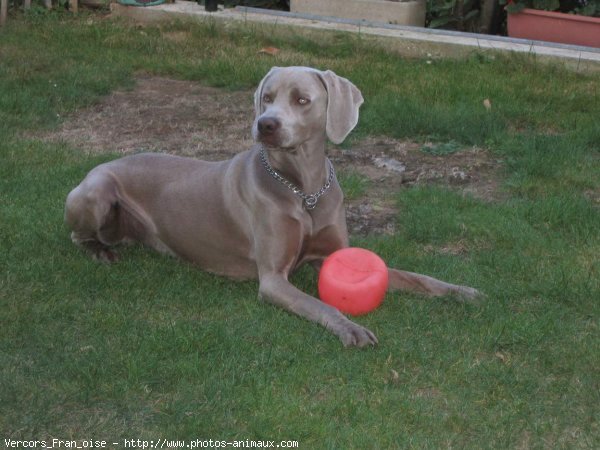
(271, 140)
(278, 147)
(276, 141)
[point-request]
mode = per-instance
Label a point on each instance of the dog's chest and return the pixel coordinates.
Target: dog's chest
(321, 238)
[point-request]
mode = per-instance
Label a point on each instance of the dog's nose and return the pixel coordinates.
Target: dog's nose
(268, 125)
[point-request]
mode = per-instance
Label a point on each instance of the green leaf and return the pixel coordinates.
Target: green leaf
(471, 14)
(548, 5)
(441, 21)
(515, 8)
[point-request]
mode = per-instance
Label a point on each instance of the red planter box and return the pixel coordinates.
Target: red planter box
(555, 27)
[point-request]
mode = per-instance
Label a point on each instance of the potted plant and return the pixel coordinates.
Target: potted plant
(565, 21)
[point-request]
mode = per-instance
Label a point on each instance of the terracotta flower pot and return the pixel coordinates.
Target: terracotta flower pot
(555, 27)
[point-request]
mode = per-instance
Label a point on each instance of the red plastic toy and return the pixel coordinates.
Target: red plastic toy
(353, 280)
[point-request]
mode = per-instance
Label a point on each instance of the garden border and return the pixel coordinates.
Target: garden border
(406, 40)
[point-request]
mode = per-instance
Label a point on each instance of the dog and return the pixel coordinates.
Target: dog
(261, 214)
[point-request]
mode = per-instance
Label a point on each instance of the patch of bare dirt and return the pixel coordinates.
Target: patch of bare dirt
(391, 164)
(164, 115)
(186, 118)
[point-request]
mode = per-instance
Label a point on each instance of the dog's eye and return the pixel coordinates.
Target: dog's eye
(267, 98)
(303, 101)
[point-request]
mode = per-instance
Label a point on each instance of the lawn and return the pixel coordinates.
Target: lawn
(151, 348)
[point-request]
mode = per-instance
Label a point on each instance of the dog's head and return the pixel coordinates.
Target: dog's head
(296, 104)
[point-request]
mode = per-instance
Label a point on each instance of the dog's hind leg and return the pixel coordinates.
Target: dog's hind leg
(92, 212)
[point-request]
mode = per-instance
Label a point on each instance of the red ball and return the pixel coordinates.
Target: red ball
(353, 280)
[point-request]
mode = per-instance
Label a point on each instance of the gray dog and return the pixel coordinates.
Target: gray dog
(262, 214)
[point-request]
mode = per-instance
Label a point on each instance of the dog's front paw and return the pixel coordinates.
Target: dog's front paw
(106, 256)
(353, 335)
(469, 294)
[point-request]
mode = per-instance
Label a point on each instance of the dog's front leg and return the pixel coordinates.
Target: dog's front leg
(410, 281)
(276, 289)
(401, 280)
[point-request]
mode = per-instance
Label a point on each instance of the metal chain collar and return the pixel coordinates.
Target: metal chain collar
(309, 200)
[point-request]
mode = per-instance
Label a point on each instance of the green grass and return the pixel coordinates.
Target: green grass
(353, 184)
(152, 348)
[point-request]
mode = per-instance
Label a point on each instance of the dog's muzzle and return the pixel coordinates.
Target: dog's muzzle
(268, 129)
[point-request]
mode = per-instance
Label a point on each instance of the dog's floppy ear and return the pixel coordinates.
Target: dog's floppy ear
(258, 93)
(343, 102)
